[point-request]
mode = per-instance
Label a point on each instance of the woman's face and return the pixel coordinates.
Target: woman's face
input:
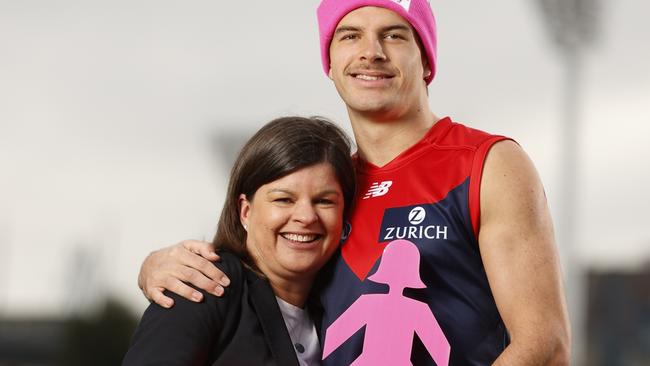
(294, 223)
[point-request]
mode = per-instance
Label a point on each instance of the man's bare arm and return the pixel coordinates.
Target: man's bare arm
(169, 268)
(518, 249)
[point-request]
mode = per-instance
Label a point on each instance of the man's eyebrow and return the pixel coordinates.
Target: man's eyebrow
(346, 28)
(388, 28)
(396, 27)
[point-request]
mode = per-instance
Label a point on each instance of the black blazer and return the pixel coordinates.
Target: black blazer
(244, 327)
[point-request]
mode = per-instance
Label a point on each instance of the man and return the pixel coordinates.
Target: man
(472, 203)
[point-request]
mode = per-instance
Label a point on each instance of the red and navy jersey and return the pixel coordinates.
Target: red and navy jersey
(428, 195)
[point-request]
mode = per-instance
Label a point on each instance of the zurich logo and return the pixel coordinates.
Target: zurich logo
(417, 215)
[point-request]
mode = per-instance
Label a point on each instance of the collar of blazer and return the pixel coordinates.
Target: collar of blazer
(275, 331)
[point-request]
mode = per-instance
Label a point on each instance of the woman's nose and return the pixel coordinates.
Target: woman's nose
(305, 213)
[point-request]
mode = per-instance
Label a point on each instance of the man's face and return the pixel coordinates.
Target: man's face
(376, 63)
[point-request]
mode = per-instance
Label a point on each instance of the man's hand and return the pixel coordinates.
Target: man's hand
(188, 261)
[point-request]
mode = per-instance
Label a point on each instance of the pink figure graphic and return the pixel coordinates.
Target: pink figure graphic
(391, 319)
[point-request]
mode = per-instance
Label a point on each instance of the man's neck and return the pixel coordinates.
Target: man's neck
(380, 140)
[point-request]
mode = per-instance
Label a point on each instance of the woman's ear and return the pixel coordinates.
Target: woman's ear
(244, 210)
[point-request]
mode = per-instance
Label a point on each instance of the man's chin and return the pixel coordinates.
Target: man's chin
(371, 108)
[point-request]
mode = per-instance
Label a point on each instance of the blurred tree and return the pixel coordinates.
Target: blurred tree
(618, 330)
(100, 340)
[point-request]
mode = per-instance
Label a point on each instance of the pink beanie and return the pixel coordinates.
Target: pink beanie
(416, 12)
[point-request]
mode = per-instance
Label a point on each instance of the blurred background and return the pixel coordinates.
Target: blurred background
(119, 121)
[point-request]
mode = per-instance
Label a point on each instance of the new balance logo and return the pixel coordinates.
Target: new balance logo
(378, 189)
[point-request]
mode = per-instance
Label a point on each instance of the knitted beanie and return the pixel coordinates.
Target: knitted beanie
(417, 12)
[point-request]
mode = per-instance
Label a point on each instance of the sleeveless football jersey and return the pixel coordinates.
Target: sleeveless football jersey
(428, 196)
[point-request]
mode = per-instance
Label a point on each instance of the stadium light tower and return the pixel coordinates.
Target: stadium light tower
(574, 27)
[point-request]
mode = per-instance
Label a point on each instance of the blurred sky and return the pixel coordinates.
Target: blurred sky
(110, 113)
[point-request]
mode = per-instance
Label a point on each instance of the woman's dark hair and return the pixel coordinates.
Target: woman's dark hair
(282, 147)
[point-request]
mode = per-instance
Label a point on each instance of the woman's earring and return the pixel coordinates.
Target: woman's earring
(245, 227)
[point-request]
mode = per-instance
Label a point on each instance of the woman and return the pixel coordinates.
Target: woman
(289, 190)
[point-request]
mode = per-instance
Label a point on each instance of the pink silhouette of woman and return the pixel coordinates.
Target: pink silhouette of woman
(391, 319)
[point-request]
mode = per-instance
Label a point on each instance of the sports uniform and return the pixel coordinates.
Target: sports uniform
(428, 195)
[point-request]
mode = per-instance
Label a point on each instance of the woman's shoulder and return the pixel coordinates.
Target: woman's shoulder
(233, 268)
(188, 330)
(230, 264)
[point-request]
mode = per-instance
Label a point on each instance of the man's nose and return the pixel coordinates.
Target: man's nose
(372, 50)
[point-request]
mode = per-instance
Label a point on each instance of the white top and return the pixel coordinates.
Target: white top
(302, 332)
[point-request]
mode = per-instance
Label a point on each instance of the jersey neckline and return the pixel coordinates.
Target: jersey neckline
(435, 132)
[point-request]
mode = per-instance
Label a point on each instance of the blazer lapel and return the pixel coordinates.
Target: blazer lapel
(275, 331)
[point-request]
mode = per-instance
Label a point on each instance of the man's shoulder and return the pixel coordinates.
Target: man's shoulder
(458, 133)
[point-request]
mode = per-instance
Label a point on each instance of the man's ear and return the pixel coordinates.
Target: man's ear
(244, 210)
(425, 68)
(329, 74)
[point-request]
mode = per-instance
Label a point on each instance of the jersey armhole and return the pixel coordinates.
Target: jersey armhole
(475, 181)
